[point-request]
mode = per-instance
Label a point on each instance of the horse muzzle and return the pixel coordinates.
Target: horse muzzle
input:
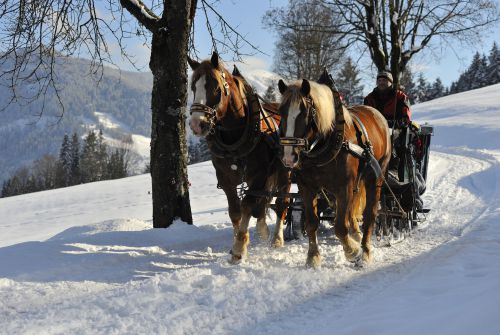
(292, 146)
(199, 127)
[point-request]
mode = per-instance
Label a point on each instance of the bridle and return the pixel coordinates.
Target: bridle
(301, 143)
(211, 112)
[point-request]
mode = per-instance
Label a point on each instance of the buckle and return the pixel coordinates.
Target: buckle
(293, 141)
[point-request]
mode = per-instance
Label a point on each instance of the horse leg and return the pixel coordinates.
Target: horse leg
(357, 213)
(281, 210)
(351, 247)
(262, 229)
(241, 236)
(370, 213)
(312, 223)
(259, 207)
(234, 208)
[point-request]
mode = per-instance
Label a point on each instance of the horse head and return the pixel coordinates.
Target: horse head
(218, 96)
(306, 112)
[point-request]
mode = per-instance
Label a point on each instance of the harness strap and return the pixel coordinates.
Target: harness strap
(361, 126)
(326, 153)
(364, 153)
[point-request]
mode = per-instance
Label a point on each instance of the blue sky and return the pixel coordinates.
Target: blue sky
(245, 15)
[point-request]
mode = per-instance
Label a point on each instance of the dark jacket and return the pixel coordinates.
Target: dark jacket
(384, 103)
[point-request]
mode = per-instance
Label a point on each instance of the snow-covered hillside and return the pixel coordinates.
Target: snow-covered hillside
(85, 260)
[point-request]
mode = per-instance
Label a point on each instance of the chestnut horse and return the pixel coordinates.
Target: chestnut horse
(342, 151)
(241, 151)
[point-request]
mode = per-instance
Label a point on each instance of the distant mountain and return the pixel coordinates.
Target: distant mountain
(119, 103)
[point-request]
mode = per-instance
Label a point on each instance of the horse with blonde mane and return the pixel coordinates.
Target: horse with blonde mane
(344, 152)
(227, 113)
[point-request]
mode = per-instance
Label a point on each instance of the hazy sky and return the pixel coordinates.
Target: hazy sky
(246, 16)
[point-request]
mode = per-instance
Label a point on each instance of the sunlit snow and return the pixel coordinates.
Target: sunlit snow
(85, 259)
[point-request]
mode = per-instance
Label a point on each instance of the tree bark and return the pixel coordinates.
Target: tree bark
(168, 104)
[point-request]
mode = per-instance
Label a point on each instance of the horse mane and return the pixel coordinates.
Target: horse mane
(322, 97)
(241, 84)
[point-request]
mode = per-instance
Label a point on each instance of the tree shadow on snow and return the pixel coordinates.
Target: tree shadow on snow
(95, 254)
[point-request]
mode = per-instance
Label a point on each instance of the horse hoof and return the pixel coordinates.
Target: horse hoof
(354, 256)
(360, 263)
(235, 259)
(278, 243)
(363, 261)
(313, 261)
(367, 257)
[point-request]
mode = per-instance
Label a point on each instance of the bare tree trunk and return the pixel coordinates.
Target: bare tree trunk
(169, 97)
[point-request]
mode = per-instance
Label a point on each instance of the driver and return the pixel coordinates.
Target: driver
(387, 100)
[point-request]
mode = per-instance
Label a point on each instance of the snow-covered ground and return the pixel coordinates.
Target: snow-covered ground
(85, 260)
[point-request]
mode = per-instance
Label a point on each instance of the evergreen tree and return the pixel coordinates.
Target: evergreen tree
(270, 94)
(436, 90)
(422, 93)
(463, 83)
(407, 84)
(482, 73)
(44, 172)
(204, 151)
(64, 169)
(453, 88)
(493, 66)
(348, 81)
(198, 151)
(5, 188)
(102, 157)
(473, 73)
(75, 160)
(89, 160)
(192, 151)
(117, 167)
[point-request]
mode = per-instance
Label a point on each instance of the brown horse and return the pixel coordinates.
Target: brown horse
(334, 155)
(223, 111)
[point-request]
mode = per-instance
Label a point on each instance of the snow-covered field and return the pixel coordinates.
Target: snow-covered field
(85, 260)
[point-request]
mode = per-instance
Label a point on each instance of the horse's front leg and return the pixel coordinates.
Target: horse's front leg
(351, 247)
(282, 204)
(234, 207)
(373, 188)
(312, 223)
(242, 236)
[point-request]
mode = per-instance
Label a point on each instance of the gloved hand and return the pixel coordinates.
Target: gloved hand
(402, 123)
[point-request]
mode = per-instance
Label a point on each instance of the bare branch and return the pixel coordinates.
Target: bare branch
(395, 30)
(143, 14)
(230, 38)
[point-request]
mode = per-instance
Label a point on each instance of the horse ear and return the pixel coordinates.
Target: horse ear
(305, 89)
(215, 60)
(282, 86)
(236, 71)
(193, 64)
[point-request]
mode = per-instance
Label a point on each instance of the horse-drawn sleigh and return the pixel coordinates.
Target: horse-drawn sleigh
(338, 153)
